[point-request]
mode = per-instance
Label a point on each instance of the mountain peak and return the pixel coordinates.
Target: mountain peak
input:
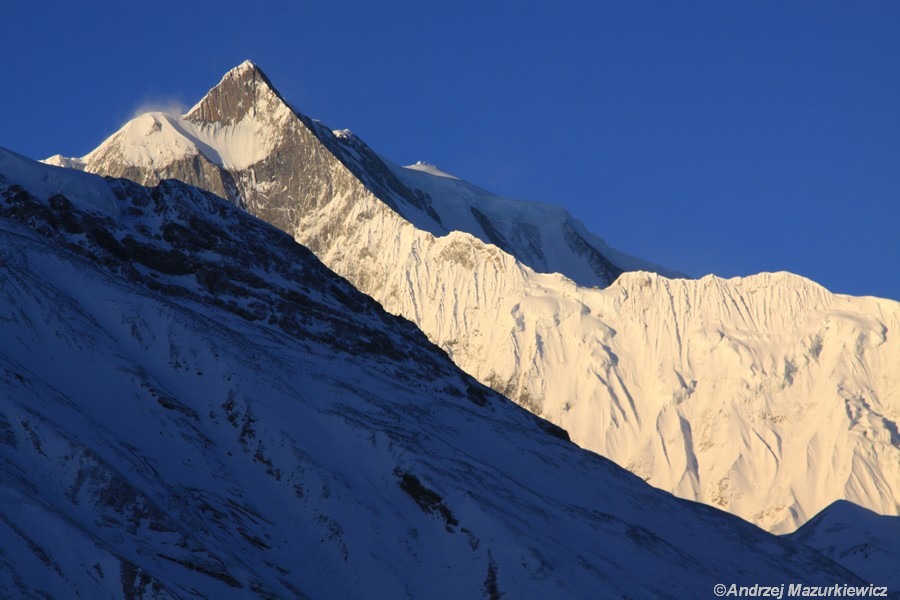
(247, 65)
(244, 90)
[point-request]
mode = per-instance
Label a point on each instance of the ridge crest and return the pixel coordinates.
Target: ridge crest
(244, 90)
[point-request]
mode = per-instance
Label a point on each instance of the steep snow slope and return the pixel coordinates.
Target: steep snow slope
(858, 539)
(766, 396)
(539, 235)
(193, 406)
(242, 122)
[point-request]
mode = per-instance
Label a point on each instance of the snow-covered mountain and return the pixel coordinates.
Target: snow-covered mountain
(865, 542)
(766, 396)
(233, 142)
(194, 406)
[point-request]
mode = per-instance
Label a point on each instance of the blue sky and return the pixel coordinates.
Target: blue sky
(721, 136)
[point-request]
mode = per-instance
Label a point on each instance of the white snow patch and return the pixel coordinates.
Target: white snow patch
(152, 140)
(58, 160)
(44, 181)
(431, 169)
(236, 146)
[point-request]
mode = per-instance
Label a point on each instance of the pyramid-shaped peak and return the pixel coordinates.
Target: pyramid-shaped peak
(244, 90)
(247, 65)
(247, 70)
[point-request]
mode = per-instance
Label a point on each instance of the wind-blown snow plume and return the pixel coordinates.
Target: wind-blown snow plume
(172, 107)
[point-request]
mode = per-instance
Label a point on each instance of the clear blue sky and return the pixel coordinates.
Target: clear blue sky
(719, 136)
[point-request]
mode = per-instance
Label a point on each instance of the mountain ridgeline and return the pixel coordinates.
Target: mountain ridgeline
(766, 396)
(195, 407)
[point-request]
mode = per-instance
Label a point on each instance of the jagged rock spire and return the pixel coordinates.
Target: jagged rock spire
(243, 90)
